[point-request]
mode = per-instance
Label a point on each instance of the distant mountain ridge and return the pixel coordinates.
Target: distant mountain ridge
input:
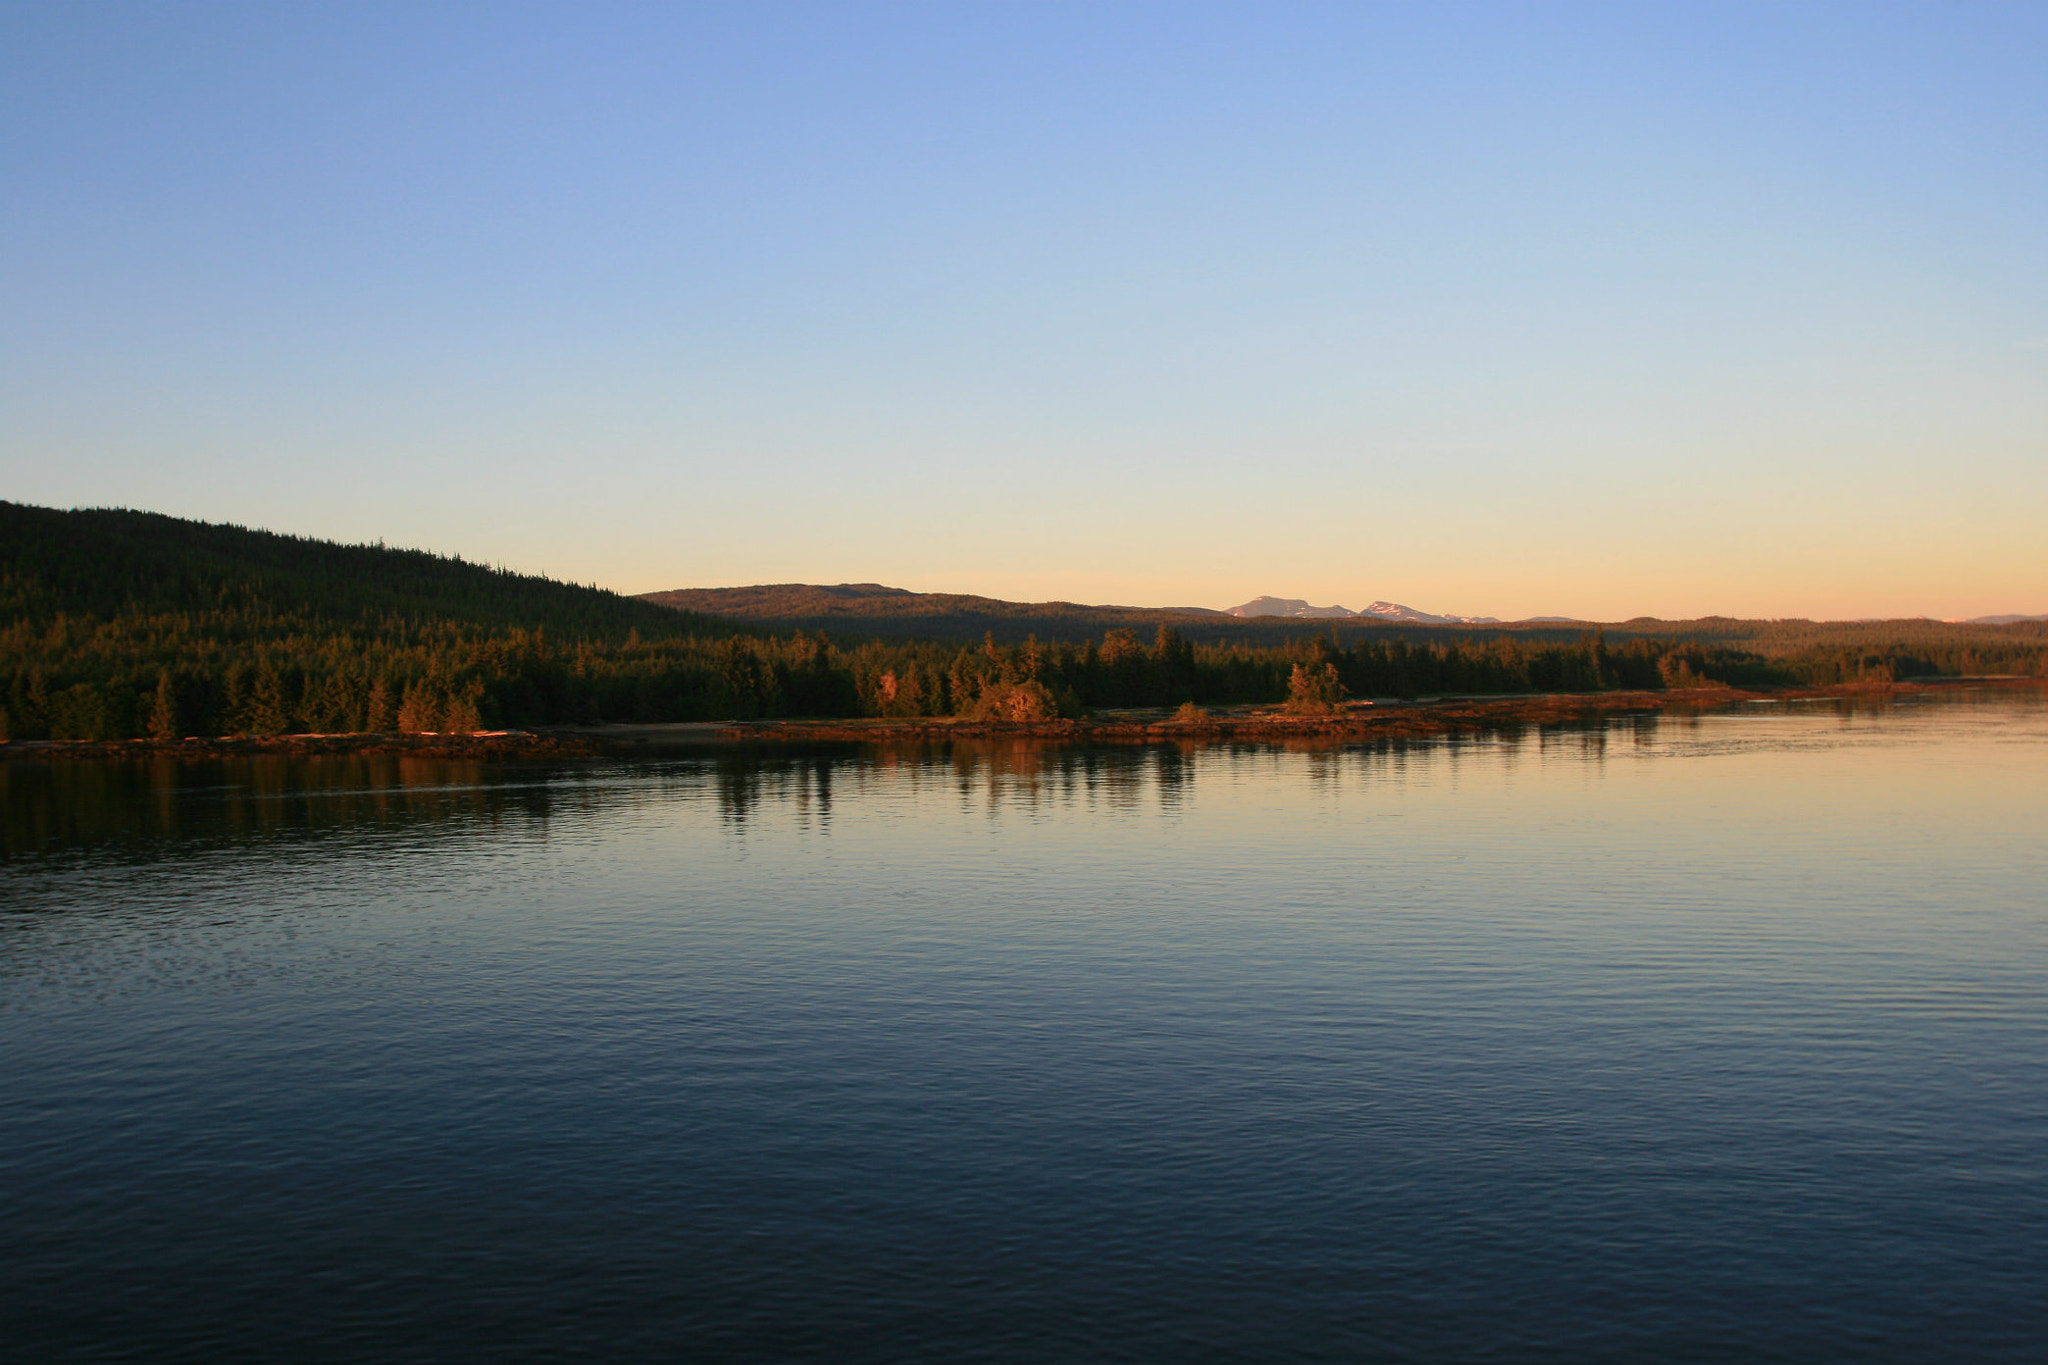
(863, 600)
(878, 609)
(884, 610)
(1288, 606)
(876, 606)
(1383, 611)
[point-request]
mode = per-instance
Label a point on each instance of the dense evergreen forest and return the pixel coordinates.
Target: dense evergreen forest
(121, 624)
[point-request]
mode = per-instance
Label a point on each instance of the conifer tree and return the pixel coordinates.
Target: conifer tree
(163, 711)
(267, 713)
(380, 714)
(1314, 689)
(420, 711)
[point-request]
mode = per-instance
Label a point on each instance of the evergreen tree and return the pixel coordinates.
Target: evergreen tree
(1313, 689)
(163, 711)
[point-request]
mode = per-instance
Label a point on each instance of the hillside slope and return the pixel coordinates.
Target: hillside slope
(116, 623)
(101, 563)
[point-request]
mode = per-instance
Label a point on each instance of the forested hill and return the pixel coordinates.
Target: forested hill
(116, 623)
(103, 563)
(869, 609)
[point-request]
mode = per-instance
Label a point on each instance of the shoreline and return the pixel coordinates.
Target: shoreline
(1385, 718)
(483, 745)
(1379, 719)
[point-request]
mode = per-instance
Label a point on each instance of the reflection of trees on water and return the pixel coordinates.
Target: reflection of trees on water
(745, 778)
(1173, 773)
(1029, 778)
(153, 810)
(1022, 777)
(159, 809)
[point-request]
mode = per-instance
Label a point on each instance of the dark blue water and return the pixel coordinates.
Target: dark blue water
(1713, 1039)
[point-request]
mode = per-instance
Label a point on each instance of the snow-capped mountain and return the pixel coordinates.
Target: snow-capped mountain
(1384, 611)
(1394, 611)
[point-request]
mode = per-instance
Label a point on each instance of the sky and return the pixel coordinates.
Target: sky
(1591, 310)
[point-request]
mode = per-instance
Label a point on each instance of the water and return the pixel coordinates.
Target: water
(1718, 1038)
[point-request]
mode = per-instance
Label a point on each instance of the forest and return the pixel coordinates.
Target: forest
(124, 624)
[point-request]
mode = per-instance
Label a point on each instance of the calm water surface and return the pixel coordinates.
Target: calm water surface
(1670, 1039)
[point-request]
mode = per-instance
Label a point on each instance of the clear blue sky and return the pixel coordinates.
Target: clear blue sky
(1593, 309)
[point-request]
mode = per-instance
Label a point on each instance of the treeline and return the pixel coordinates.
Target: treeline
(123, 624)
(167, 677)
